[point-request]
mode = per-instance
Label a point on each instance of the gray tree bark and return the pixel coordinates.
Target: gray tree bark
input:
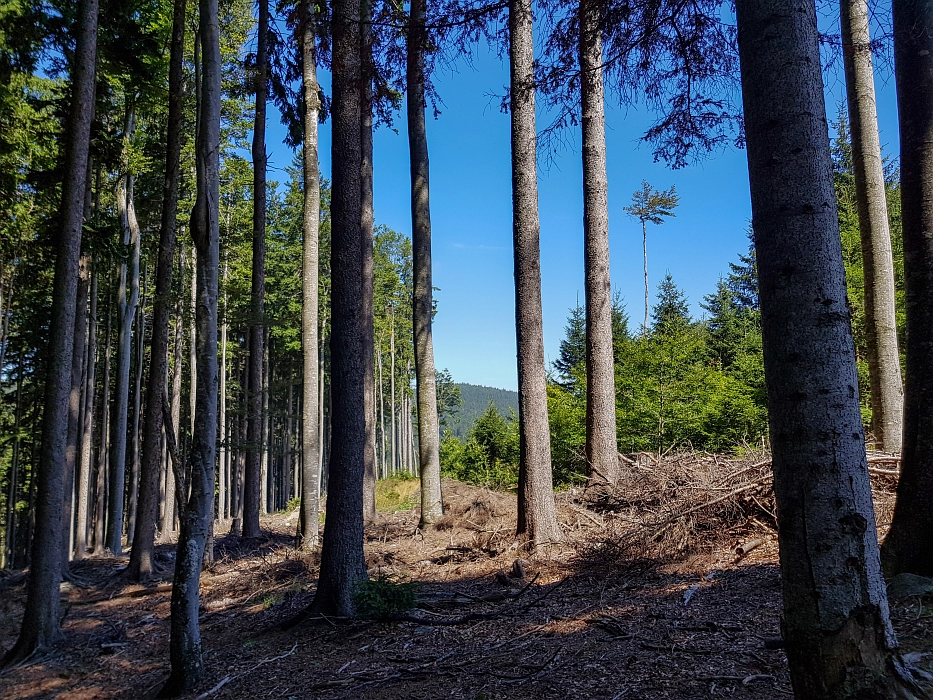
(87, 427)
(41, 617)
(601, 448)
(366, 190)
(537, 512)
(342, 562)
(836, 625)
(311, 415)
(127, 300)
(908, 546)
(185, 643)
(140, 334)
(147, 510)
(223, 483)
(432, 505)
(167, 529)
(103, 453)
(884, 366)
(252, 496)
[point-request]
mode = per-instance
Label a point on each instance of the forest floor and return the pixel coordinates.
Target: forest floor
(591, 618)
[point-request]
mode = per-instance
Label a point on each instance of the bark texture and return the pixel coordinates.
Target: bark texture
(909, 544)
(147, 509)
(41, 617)
(366, 191)
(87, 426)
(537, 512)
(601, 448)
(252, 496)
(127, 301)
(185, 643)
(432, 506)
(840, 643)
(342, 562)
(310, 406)
(884, 365)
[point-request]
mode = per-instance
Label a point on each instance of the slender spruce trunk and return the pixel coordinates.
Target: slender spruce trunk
(382, 416)
(127, 301)
(432, 505)
(836, 626)
(266, 434)
(884, 367)
(9, 541)
(392, 406)
(537, 512)
(75, 404)
(644, 248)
(168, 507)
(601, 448)
(103, 453)
(312, 415)
(87, 427)
(366, 190)
(41, 619)
(147, 511)
(909, 544)
(137, 408)
(342, 562)
(185, 644)
(253, 490)
(223, 487)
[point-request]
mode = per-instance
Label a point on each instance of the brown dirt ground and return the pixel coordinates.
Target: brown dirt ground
(589, 620)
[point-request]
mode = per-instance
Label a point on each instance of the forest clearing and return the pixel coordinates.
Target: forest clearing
(618, 610)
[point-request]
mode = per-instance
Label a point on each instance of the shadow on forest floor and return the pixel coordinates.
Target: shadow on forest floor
(588, 620)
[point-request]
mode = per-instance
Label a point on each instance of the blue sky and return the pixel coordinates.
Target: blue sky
(474, 334)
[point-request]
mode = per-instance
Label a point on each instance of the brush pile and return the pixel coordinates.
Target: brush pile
(688, 500)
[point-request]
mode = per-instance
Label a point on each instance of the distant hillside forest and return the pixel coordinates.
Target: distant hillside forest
(475, 402)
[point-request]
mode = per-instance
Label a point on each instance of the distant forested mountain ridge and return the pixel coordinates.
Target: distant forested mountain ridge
(475, 401)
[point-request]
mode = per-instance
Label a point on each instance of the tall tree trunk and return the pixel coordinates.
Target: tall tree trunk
(223, 487)
(253, 488)
(185, 644)
(342, 562)
(87, 427)
(41, 617)
(602, 451)
(366, 190)
(265, 441)
(137, 407)
(432, 505)
(311, 413)
(537, 512)
(75, 402)
(103, 453)
(840, 643)
(168, 507)
(147, 510)
(392, 406)
(127, 300)
(644, 248)
(909, 544)
(382, 417)
(884, 368)
(9, 541)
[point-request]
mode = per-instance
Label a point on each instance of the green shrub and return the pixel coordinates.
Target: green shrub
(384, 596)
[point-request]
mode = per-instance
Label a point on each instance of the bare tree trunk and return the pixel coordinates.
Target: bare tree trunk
(342, 562)
(537, 512)
(382, 418)
(253, 489)
(312, 414)
(87, 427)
(884, 366)
(75, 401)
(909, 544)
(644, 247)
(41, 620)
(601, 448)
(432, 505)
(168, 510)
(366, 189)
(127, 300)
(185, 645)
(9, 543)
(141, 564)
(840, 643)
(392, 406)
(223, 485)
(137, 406)
(265, 440)
(103, 453)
